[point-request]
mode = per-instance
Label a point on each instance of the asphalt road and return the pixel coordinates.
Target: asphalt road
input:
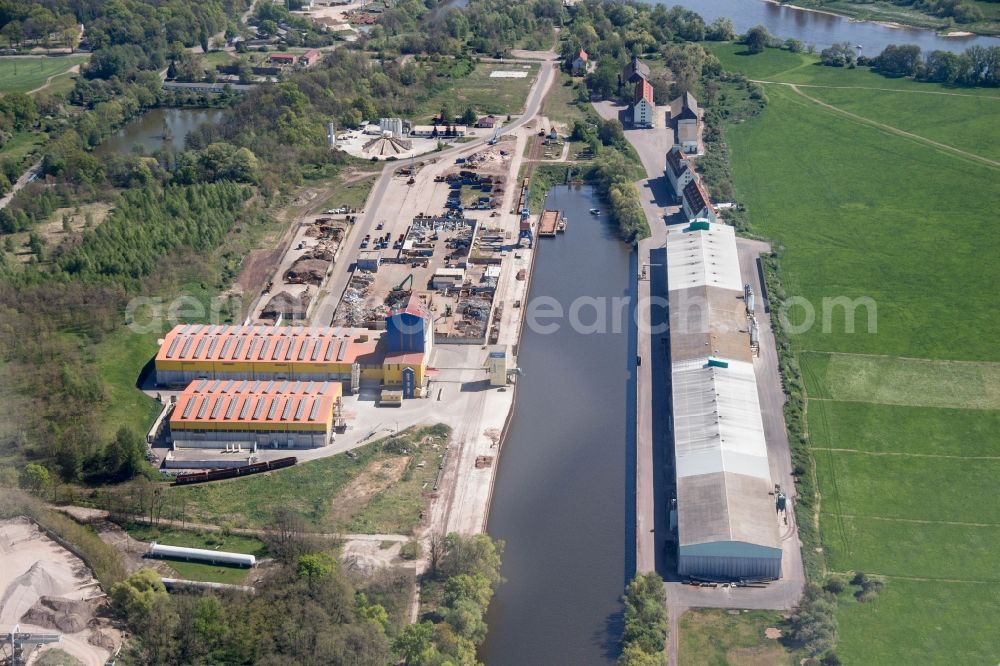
(20, 183)
(375, 210)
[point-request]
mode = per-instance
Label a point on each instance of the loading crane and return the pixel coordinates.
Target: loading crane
(408, 280)
(496, 135)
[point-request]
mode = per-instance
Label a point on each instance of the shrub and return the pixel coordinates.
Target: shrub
(410, 550)
(835, 584)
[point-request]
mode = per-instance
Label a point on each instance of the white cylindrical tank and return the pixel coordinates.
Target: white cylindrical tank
(201, 555)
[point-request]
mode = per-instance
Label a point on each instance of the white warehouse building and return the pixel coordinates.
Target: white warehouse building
(727, 525)
(726, 519)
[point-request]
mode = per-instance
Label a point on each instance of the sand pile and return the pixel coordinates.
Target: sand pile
(43, 587)
(66, 615)
(42, 578)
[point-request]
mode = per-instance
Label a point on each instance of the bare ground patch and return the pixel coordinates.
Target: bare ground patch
(377, 477)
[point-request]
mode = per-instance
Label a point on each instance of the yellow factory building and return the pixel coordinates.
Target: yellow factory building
(304, 353)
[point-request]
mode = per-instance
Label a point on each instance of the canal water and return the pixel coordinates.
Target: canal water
(563, 495)
(824, 29)
(155, 127)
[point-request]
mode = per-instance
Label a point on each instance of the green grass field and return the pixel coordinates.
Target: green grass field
(483, 92)
(902, 381)
(835, 191)
(22, 144)
(903, 419)
(211, 541)
(351, 195)
(932, 623)
(887, 11)
(895, 429)
(730, 638)
(24, 74)
(313, 491)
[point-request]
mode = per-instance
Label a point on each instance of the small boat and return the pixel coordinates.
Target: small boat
(595, 211)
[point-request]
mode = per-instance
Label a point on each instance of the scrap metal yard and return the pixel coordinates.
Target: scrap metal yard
(439, 239)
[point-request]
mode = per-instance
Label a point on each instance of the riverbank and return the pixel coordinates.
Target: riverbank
(823, 25)
(895, 16)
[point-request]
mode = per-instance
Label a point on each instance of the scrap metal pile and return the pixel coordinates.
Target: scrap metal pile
(354, 309)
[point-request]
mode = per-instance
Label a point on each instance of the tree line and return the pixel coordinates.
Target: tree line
(976, 66)
(645, 636)
(311, 609)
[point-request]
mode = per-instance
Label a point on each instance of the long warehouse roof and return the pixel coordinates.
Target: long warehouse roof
(266, 344)
(249, 402)
(721, 456)
(703, 254)
(708, 321)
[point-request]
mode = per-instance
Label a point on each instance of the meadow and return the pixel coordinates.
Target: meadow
(339, 493)
(902, 417)
(233, 543)
(24, 74)
(482, 92)
(712, 637)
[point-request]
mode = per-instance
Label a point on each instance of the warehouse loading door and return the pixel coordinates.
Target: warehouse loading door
(409, 384)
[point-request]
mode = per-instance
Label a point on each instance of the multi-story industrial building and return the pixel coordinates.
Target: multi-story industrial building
(696, 202)
(679, 170)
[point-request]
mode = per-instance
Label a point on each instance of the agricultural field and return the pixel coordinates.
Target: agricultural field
(710, 637)
(883, 189)
(378, 490)
(24, 74)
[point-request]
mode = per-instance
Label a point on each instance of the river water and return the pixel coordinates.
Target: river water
(151, 130)
(563, 494)
(824, 29)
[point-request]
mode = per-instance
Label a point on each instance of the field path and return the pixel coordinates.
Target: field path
(86, 514)
(899, 90)
(75, 69)
(904, 454)
(916, 521)
(894, 130)
(922, 579)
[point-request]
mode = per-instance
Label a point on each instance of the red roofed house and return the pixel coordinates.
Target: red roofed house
(696, 202)
(643, 106)
(309, 58)
(487, 122)
(580, 63)
(281, 59)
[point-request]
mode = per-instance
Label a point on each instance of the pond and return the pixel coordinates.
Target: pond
(155, 128)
